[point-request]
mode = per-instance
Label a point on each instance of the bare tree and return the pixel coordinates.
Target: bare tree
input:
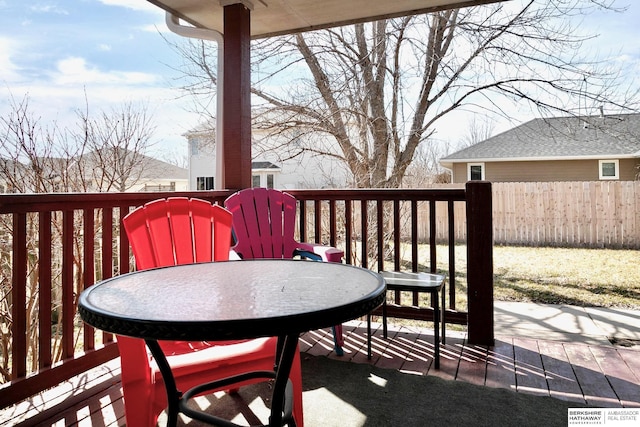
(102, 154)
(36, 157)
(425, 170)
(478, 130)
(114, 145)
(376, 92)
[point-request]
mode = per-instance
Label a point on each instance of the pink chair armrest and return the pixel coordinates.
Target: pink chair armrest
(328, 253)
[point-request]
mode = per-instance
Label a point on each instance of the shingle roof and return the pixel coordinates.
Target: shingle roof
(146, 167)
(561, 137)
(157, 169)
(263, 165)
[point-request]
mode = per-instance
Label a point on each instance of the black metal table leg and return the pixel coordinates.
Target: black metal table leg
(443, 310)
(280, 407)
(369, 336)
(436, 328)
(173, 394)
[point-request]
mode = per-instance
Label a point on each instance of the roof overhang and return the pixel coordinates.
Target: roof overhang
(277, 17)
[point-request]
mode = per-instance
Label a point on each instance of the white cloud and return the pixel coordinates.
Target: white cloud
(58, 104)
(48, 8)
(160, 27)
(74, 71)
(56, 90)
(8, 70)
(132, 4)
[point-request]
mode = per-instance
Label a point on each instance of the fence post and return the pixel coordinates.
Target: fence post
(480, 262)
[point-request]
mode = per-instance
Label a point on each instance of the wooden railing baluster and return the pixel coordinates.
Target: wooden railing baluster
(364, 233)
(452, 255)
(44, 290)
(68, 289)
(107, 245)
(88, 245)
(348, 231)
(102, 236)
(380, 232)
(19, 297)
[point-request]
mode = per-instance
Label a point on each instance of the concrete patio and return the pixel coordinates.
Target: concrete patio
(587, 325)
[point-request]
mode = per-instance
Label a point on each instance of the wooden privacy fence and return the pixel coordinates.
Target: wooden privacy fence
(590, 214)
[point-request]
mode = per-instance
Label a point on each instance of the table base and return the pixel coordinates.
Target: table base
(282, 396)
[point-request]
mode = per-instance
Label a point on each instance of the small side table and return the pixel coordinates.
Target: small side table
(418, 282)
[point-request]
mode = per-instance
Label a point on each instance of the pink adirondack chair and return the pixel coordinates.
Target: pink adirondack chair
(264, 227)
(177, 231)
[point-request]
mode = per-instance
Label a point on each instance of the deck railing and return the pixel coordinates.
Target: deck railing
(55, 245)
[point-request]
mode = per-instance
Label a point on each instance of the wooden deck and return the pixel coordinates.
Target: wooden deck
(604, 376)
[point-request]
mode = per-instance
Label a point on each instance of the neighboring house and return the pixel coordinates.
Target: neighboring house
(123, 172)
(587, 148)
(118, 169)
(269, 168)
(9, 170)
(157, 175)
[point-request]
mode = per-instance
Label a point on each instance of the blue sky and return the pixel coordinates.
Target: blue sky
(54, 50)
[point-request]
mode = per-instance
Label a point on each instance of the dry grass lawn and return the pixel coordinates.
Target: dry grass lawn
(581, 277)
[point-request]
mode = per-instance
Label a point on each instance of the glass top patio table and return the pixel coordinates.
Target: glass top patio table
(232, 300)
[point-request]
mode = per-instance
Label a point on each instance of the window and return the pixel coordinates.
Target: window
(204, 183)
(194, 147)
(475, 171)
(261, 178)
(608, 169)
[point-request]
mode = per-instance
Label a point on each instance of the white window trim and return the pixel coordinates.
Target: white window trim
(263, 175)
(469, 170)
(617, 166)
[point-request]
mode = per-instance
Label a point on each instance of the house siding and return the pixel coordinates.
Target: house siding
(545, 171)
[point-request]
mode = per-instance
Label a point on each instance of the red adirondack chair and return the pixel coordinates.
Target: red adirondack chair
(264, 227)
(177, 231)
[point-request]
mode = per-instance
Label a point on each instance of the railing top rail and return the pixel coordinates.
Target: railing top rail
(42, 202)
(444, 194)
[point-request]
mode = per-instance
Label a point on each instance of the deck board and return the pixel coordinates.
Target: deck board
(604, 376)
(417, 360)
(620, 377)
(530, 375)
(394, 352)
(449, 354)
(356, 343)
(595, 387)
(561, 379)
(500, 365)
(632, 359)
(473, 364)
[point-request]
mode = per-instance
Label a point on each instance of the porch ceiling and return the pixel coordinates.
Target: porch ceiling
(276, 17)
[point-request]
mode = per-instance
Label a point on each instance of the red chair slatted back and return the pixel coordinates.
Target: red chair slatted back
(263, 222)
(178, 231)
